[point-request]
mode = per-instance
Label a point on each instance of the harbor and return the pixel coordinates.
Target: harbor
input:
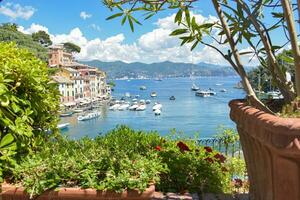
(188, 113)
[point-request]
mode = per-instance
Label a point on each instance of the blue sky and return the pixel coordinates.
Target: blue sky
(83, 22)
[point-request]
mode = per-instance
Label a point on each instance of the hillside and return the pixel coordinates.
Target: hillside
(24, 41)
(164, 69)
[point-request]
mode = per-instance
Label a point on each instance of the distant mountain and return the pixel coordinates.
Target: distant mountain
(120, 69)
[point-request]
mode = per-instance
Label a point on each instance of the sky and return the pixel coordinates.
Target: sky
(84, 23)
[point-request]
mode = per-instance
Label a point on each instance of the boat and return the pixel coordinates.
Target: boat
(148, 101)
(88, 116)
(195, 87)
(142, 101)
(274, 95)
(134, 100)
(137, 96)
(78, 110)
(124, 107)
(157, 112)
(239, 85)
(172, 98)
(212, 93)
(153, 94)
(127, 94)
(143, 88)
(66, 114)
(114, 107)
(141, 107)
(203, 93)
(63, 126)
(133, 106)
(219, 84)
(223, 90)
(157, 106)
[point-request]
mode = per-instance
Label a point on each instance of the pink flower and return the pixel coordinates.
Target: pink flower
(158, 148)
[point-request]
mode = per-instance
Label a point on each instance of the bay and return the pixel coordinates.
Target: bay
(188, 113)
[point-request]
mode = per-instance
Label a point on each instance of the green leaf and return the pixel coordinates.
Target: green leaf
(130, 23)
(194, 45)
(124, 20)
(178, 17)
(277, 14)
(6, 140)
(114, 16)
(179, 32)
(187, 16)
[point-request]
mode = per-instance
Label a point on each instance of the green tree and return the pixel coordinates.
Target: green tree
(42, 37)
(29, 102)
(72, 48)
(10, 26)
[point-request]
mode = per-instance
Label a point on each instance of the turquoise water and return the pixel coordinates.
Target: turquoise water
(188, 113)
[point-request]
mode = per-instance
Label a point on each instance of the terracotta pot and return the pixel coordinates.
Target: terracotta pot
(271, 148)
(10, 192)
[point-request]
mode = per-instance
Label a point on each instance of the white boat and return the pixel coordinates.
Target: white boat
(223, 90)
(124, 106)
(127, 94)
(114, 107)
(89, 116)
(63, 126)
(141, 107)
(203, 93)
(134, 100)
(157, 112)
(134, 106)
(137, 96)
(195, 87)
(143, 87)
(148, 101)
(153, 94)
(78, 110)
(142, 101)
(219, 84)
(157, 106)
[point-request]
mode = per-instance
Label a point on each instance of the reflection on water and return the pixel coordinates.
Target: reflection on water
(187, 113)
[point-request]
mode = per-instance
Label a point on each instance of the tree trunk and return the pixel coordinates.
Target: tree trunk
(289, 17)
(241, 71)
(279, 78)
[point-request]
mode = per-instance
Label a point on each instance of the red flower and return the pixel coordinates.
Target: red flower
(220, 157)
(209, 160)
(238, 183)
(158, 148)
(183, 147)
(208, 149)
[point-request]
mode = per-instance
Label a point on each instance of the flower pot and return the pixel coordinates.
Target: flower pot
(271, 148)
(11, 192)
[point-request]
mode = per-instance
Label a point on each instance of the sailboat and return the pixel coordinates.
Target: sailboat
(195, 87)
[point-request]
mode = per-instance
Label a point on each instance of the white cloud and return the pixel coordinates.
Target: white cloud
(33, 29)
(85, 15)
(153, 46)
(15, 11)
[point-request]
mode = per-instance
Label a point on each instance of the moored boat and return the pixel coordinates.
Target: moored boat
(195, 87)
(157, 106)
(63, 126)
(89, 116)
(157, 112)
(223, 90)
(133, 106)
(114, 107)
(172, 98)
(153, 94)
(148, 101)
(141, 107)
(143, 87)
(66, 114)
(124, 107)
(202, 93)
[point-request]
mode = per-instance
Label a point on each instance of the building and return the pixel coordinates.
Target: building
(77, 82)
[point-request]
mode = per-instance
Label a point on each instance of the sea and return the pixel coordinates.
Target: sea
(190, 115)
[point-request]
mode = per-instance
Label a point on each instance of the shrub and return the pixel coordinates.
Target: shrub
(29, 102)
(122, 159)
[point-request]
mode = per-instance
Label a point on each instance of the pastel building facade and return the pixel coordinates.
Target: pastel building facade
(76, 81)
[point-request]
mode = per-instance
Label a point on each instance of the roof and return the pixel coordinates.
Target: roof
(69, 69)
(61, 79)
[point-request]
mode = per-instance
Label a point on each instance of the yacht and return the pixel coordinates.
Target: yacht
(153, 94)
(133, 106)
(157, 106)
(157, 112)
(134, 100)
(127, 94)
(142, 101)
(124, 106)
(114, 107)
(88, 116)
(223, 90)
(148, 101)
(195, 87)
(141, 107)
(203, 93)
